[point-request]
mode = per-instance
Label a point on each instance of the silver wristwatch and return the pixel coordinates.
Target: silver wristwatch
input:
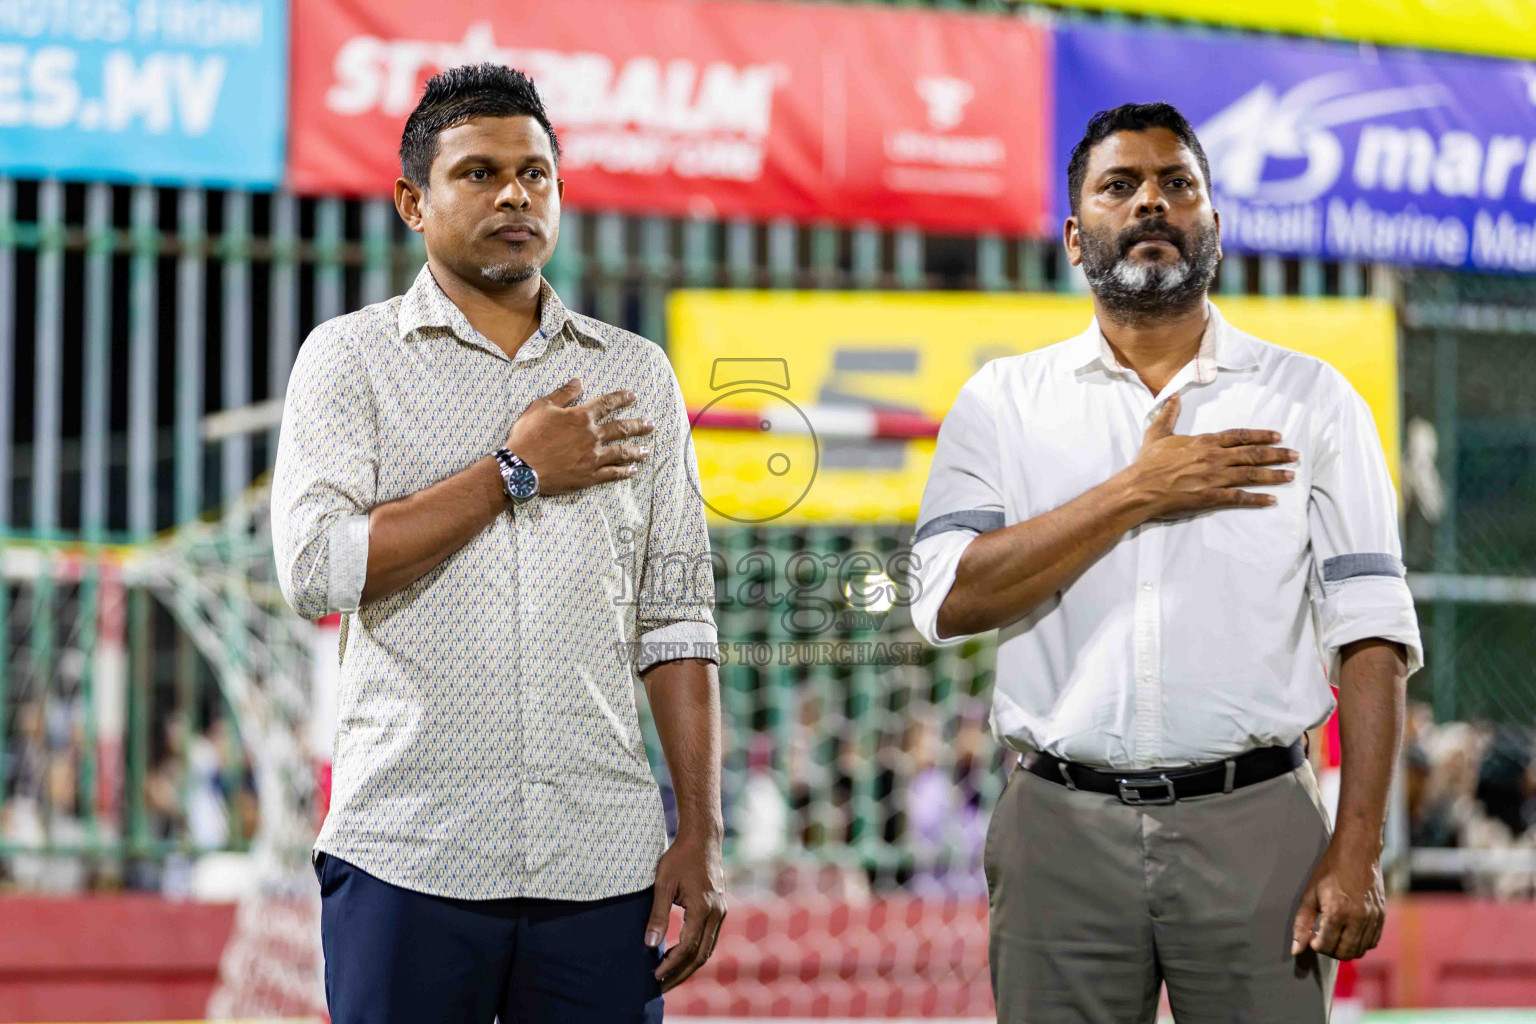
(518, 478)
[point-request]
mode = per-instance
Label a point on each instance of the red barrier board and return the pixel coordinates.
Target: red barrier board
(135, 958)
(129, 957)
(717, 108)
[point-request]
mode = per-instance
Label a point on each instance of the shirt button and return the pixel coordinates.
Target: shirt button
(1146, 585)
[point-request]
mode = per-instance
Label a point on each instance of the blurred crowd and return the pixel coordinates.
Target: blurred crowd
(815, 803)
(1471, 787)
(915, 814)
(61, 835)
(848, 811)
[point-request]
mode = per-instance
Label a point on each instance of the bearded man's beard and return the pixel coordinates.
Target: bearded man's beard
(1139, 290)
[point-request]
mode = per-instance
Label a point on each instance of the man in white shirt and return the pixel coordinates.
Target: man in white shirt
(1182, 533)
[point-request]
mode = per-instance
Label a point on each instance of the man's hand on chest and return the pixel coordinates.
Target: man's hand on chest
(568, 445)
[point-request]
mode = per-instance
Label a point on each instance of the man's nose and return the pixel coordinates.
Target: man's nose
(1150, 201)
(513, 196)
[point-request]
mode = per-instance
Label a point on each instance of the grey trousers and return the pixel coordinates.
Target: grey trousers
(1095, 904)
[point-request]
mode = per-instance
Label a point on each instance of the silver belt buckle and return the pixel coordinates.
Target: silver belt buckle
(1143, 792)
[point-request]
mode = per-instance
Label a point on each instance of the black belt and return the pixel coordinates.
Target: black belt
(1165, 785)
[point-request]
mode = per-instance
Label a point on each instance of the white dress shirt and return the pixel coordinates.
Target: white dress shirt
(1192, 638)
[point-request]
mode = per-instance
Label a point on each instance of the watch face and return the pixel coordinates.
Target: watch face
(525, 482)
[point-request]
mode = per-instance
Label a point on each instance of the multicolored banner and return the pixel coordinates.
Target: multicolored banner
(1319, 150)
(1506, 27)
(787, 357)
(719, 108)
(144, 90)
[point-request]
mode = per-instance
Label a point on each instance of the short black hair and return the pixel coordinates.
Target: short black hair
(458, 94)
(1129, 117)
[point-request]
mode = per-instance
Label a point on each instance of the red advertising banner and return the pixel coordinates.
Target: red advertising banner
(710, 107)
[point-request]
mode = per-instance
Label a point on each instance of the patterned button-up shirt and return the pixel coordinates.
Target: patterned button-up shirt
(487, 741)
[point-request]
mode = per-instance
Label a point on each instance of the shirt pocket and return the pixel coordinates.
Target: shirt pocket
(1272, 537)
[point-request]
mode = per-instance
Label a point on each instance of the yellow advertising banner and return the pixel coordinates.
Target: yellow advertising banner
(801, 377)
(1498, 27)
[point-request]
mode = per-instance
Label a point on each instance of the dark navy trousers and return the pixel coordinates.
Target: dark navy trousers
(395, 956)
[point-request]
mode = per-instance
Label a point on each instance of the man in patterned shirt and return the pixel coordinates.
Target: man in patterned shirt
(507, 557)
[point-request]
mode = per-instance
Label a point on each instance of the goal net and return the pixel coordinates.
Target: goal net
(218, 581)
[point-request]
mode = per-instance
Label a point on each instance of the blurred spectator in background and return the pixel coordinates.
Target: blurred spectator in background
(50, 821)
(1470, 787)
(1505, 781)
(207, 807)
(820, 765)
(199, 797)
(947, 822)
(164, 815)
(42, 803)
(1437, 774)
(763, 812)
(26, 754)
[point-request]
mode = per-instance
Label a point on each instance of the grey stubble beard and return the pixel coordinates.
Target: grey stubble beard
(509, 272)
(1136, 293)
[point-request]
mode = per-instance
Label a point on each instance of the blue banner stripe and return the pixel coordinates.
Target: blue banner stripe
(142, 94)
(1326, 150)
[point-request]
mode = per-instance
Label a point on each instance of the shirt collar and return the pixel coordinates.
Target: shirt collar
(1221, 348)
(427, 305)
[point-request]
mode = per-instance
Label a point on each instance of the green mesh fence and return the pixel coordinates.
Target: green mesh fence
(1469, 384)
(851, 744)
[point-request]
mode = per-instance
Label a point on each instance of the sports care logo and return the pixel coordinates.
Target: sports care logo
(643, 115)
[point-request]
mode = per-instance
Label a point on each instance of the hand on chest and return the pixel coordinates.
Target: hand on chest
(451, 405)
(1054, 462)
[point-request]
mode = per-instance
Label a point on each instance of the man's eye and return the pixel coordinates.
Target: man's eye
(536, 173)
(1116, 186)
(1179, 183)
(479, 174)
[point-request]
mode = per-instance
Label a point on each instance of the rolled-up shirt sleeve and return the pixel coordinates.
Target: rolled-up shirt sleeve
(326, 477)
(961, 501)
(675, 616)
(1359, 585)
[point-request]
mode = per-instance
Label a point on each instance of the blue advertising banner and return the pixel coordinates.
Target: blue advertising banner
(144, 90)
(1330, 150)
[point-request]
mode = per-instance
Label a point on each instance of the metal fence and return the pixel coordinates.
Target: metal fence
(1469, 382)
(129, 315)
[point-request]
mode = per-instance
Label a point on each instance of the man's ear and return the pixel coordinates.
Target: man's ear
(1216, 219)
(1071, 238)
(409, 199)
